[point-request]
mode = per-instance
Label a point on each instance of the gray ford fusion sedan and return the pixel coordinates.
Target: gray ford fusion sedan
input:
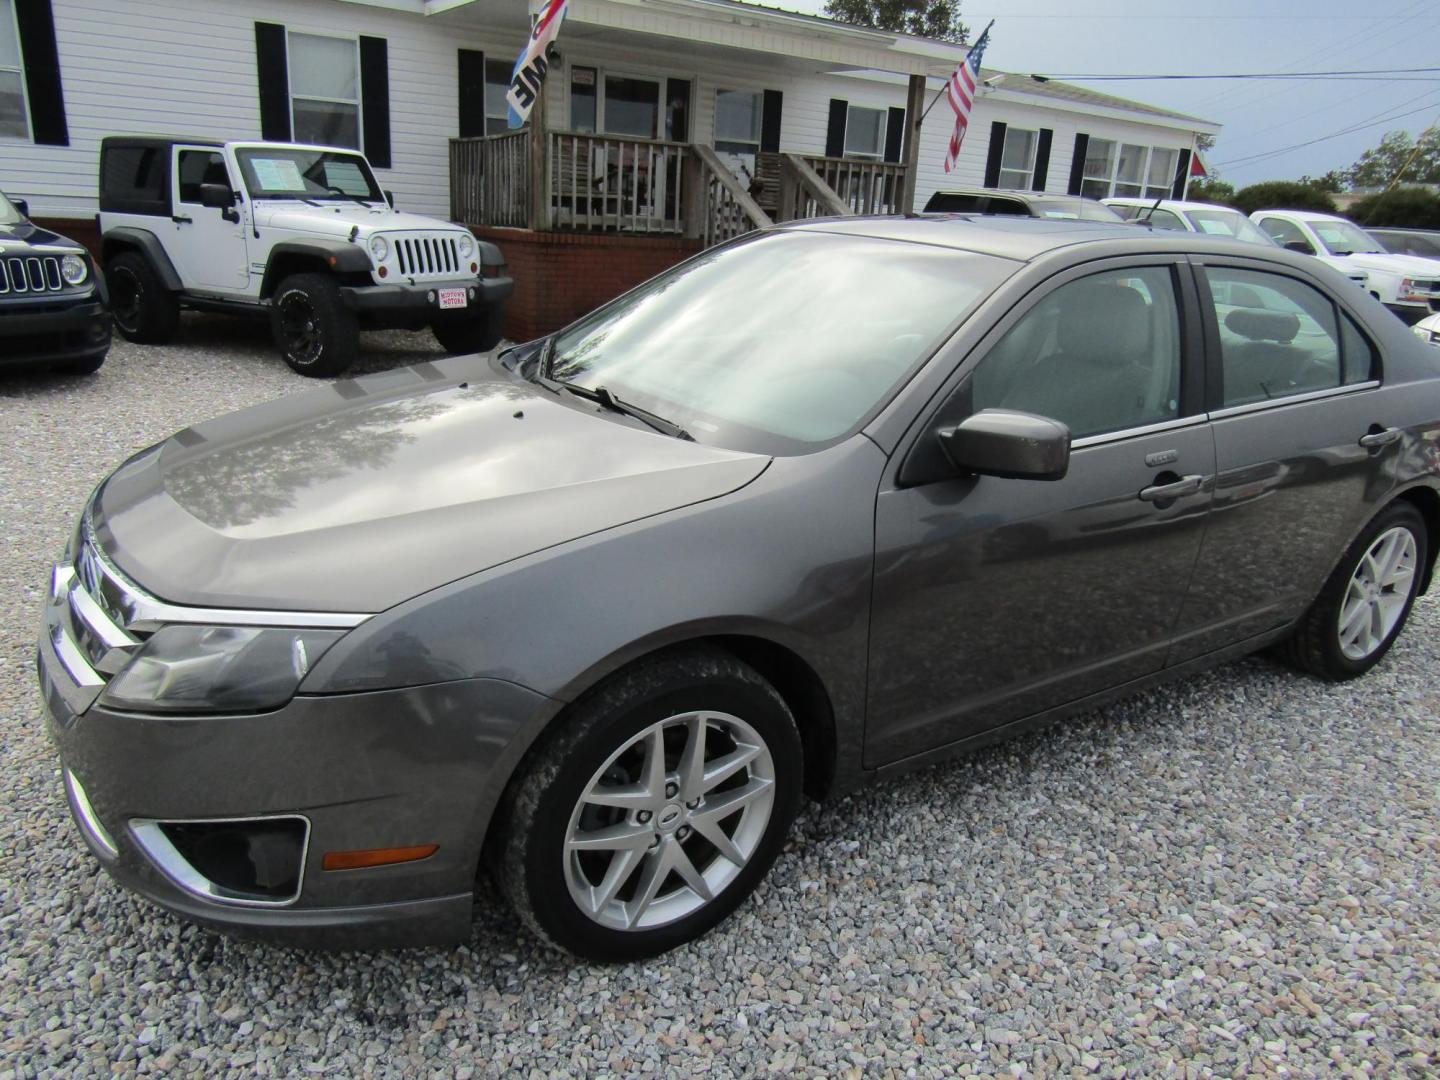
(828, 502)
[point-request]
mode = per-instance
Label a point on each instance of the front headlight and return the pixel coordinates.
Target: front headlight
(467, 246)
(73, 269)
(379, 249)
(197, 669)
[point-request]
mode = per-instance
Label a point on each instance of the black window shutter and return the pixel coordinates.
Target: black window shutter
(1182, 170)
(1077, 163)
(770, 122)
(997, 148)
(894, 134)
(36, 23)
(835, 131)
(472, 93)
(272, 74)
(1042, 159)
(375, 100)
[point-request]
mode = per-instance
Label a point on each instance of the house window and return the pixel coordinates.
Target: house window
(497, 85)
(865, 133)
(325, 90)
(1017, 160)
(1126, 170)
(13, 120)
(632, 106)
(737, 128)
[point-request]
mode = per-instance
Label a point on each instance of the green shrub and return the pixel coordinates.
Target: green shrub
(1403, 208)
(1283, 195)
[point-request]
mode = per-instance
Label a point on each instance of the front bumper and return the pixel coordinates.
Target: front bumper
(410, 302)
(53, 331)
(397, 768)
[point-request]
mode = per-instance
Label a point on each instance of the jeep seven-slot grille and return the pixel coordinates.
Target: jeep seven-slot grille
(30, 274)
(427, 256)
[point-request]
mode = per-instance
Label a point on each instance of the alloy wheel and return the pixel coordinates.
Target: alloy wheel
(127, 297)
(669, 820)
(1377, 594)
(300, 328)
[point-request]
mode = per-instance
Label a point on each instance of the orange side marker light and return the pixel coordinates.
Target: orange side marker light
(359, 860)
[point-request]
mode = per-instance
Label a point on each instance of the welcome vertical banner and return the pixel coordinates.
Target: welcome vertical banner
(532, 66)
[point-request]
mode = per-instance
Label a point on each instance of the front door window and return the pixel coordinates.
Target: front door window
(632, 106)
(737, 130)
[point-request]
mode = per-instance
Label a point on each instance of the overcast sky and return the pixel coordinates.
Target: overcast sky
(1148, 37)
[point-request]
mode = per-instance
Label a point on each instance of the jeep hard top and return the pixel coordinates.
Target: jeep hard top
(302, 234)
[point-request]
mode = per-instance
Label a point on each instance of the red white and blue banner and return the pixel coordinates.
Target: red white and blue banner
(530, 69)
(960, 91)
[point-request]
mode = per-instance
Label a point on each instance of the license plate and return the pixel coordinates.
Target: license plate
(452, 298)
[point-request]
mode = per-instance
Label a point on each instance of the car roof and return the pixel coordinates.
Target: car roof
(1023, 239)
(1405, 229)
(1171, 204)
(159, 141)
(1307, 215)
(1012, 193)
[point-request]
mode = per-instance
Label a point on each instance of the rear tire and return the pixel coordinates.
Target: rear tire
(145, 311)
(675, 842)
(1366, 601)
(463, 336)
(316, 333)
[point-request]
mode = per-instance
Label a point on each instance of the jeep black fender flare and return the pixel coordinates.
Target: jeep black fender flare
(129, 238)
(321, 256)
(489, 254)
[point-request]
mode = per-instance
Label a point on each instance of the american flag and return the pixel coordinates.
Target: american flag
(960, 91)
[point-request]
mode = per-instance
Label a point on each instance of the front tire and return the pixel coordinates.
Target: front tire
(655, 810)
(144, 310)
(1365, 602)
(315, 332)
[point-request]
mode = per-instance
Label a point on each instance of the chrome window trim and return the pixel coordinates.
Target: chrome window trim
(167, 858)
(89, 822)
(1134, 433)
(146, 614)
(1294, 399)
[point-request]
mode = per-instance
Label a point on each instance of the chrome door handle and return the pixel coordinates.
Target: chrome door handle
(1381, 438)
(1186, 485)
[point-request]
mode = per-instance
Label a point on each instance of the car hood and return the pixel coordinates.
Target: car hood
(1408, 265)
(26, 232)
(337, 219)
(361, 495)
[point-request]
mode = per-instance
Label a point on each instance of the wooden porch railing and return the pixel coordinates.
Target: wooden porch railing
(726, 210)
(866, 187)
(615, 183)
(803, 194)
(490, 179)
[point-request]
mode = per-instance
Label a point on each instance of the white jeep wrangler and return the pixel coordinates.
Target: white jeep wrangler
(300, 233)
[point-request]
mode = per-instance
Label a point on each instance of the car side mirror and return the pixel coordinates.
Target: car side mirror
(1299, 245)
(23, 205)
(1016, 445)
(390, 199)
(216, 196)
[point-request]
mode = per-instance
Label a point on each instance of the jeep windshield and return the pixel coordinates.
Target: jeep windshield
(292, 172)
(777, 343)
(1342, 238)
(8, 214)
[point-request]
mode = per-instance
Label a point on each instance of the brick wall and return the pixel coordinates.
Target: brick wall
(81, 230)
(561, 276)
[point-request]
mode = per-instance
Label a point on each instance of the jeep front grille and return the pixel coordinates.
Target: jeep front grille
(427, 256)
(30, 274)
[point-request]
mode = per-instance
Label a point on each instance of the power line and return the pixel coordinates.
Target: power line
(1281, 151)
(1380, 74)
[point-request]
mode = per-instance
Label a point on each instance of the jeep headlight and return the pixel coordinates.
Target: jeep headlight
(73, 269)
(467, 246)
(199, 669)
(379, 249)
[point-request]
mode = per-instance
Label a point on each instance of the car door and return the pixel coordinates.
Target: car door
(995, 599)
(1303, 445)
(208, 248)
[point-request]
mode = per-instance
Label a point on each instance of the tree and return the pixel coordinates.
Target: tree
(1333, 182)
(1412, 208)
(1377, 167)
(1211, 190)
(1283, 195)
(938, 19)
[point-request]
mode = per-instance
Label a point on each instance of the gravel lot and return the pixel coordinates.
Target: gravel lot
(1237, 874)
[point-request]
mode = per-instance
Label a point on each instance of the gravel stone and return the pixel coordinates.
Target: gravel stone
(1236, 874)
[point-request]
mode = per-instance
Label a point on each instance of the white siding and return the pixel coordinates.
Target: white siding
(187, 67)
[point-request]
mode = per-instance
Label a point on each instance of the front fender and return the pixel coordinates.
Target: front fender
(148, 244)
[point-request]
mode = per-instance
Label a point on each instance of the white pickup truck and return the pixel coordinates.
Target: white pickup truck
(1409, 286)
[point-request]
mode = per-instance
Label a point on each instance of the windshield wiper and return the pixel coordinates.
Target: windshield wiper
(346, 195)
(604, 397)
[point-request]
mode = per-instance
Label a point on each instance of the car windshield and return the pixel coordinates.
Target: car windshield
(779, 342)
(289, 172)
(8, 214)
(1074, 208)
(1228, 223)
(1343, 238)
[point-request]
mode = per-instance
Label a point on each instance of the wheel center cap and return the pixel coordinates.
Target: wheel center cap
(669, 817)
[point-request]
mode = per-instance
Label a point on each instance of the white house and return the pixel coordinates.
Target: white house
(652, 110)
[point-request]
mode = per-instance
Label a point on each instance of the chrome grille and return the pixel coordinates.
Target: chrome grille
(427, 256)
(20, 274)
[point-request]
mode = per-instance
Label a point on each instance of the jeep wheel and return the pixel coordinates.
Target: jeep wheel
(145, 311)
(476, 334)
(314, 330)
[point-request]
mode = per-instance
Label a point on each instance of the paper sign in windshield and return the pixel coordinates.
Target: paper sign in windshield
(277, 174)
